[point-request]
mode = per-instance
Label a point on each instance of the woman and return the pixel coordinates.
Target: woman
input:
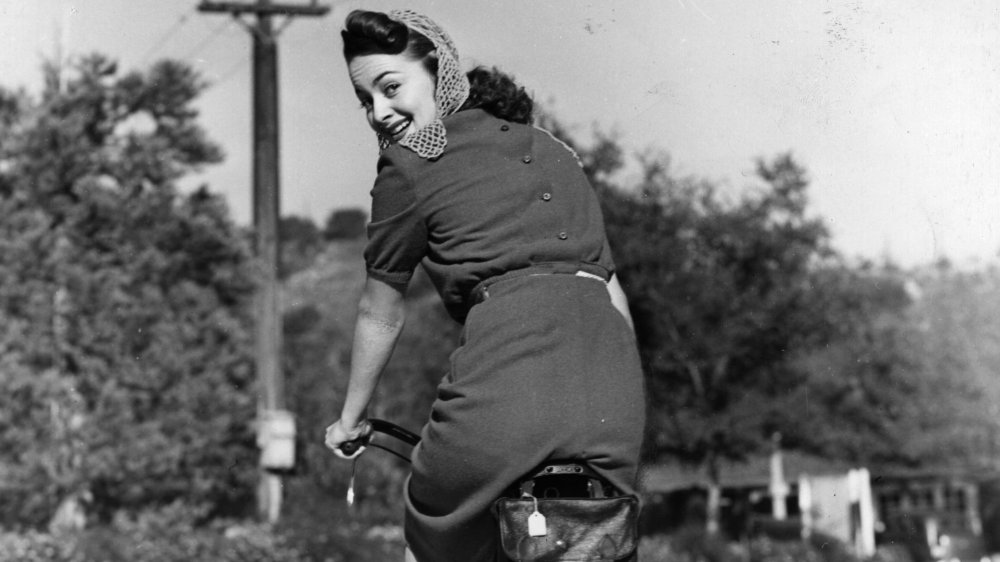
(507, 227)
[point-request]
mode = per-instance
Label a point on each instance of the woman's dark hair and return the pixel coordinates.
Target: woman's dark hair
(374, 33)
(497, 94)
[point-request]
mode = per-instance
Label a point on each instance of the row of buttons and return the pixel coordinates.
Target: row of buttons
(527, 157)
(545, 196)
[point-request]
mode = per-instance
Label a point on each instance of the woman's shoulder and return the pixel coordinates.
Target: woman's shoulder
(398, 158)
(476, 127)
(471, 120)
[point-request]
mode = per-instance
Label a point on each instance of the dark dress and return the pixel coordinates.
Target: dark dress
(547, 367)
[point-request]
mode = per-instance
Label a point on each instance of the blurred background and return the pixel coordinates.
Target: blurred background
(800, 196)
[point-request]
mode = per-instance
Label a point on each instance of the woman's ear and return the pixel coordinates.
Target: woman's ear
(431, 64)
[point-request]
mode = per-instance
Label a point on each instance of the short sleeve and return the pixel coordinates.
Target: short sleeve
(606, 260)
(397, 233)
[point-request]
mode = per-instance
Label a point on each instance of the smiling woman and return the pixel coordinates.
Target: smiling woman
(393, 73)
(396, 92)
(503, 220)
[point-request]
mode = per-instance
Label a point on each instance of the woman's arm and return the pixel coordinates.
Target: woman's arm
(381, 314)
(619, 301)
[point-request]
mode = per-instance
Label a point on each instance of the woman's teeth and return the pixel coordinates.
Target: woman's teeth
(400, 128)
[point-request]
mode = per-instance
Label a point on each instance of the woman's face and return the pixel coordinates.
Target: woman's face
(396, 92)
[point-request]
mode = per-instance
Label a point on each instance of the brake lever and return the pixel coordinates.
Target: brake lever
(350, 485)
(349, 448)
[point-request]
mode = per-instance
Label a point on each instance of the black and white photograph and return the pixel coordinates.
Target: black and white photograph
(467, 281)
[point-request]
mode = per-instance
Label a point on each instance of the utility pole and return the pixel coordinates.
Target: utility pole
(275, 425)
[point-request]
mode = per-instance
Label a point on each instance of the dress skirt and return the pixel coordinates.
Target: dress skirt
(547, 369)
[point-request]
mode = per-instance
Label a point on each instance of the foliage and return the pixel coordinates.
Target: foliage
(900, 382)
(693, 544)
(957, 317)
(721, 293)
(124, 343)
(321, 533)
(163, 535)
(323, 527)
(345, 224)
(33, 546)
(301, 241)
(167, 535)
(764, 549)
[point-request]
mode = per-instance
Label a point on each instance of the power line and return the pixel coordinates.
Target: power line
(213, 35)
(165, 37)
(230, 72)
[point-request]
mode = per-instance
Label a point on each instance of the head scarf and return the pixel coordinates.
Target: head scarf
(450, 93)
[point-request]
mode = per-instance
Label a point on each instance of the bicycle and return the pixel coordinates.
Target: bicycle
(560, 511)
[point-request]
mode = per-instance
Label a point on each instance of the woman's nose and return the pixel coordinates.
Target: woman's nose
(381, 111)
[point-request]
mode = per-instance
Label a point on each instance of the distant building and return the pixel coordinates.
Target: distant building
(933, 514)
(675, 495)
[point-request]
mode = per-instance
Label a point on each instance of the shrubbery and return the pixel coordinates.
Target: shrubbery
(249, 544)
(165, 535)
(33, 546)
(687, 545)
(693, 544)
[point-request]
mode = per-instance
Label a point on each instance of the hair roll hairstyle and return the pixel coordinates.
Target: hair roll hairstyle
(375, 33)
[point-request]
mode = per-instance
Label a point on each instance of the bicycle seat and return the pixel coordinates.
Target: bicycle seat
(561, 479)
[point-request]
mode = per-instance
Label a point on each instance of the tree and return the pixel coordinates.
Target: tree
(301, 242)
(867, 392)
(345, 224)
(721, 294)
(126, 367)
(956, 316)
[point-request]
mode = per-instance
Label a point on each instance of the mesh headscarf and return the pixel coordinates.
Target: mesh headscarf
(450, 93)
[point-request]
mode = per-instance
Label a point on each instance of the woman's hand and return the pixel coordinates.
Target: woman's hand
(340, 433)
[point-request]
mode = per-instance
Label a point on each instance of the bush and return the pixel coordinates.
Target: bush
(693, 544)
(320, 524)
(688, 544)
(830, 548)
(33, 546)
(164, 535)
(818, 548)
(169, 535)
(764, 549)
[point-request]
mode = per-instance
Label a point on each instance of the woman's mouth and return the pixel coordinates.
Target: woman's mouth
(396, 131)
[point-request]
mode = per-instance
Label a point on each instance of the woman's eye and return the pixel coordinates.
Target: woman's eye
(391, 89)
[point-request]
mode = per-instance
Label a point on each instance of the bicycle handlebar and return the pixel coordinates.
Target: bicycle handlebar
(384, 427)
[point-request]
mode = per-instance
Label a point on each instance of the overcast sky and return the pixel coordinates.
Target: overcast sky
(891, 106)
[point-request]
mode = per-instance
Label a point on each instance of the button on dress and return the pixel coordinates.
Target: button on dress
(546, 367)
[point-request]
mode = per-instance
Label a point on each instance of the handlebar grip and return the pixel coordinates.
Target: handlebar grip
(380, 426)
(351, 447)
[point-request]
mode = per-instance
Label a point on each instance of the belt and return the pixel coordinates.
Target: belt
(589, 270)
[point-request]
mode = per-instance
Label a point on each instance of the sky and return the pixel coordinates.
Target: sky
(891, 106)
